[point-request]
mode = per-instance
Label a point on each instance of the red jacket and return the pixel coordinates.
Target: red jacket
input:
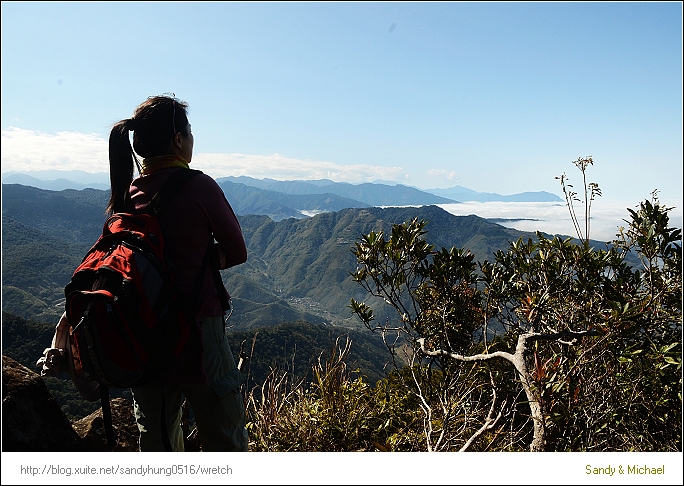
(198, 210)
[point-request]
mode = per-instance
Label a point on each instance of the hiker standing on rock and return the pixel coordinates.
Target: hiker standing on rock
(205, 372)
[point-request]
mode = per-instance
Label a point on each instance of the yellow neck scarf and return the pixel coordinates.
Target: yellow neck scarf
(154, 164)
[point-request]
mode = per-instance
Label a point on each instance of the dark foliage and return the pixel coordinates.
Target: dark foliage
(293, 347)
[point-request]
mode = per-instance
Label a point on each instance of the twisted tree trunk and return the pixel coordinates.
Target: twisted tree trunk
(539, 433)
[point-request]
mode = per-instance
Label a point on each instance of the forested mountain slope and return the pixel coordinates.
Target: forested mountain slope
(297, 269)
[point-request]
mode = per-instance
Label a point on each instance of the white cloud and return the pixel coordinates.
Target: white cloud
(30, 150)
(443, 176)
(279, 167)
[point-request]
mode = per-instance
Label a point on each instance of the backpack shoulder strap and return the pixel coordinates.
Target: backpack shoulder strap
(158, 203)
(170, 188)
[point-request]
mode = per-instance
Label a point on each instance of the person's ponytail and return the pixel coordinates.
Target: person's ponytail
(121, 164)
(155, 122)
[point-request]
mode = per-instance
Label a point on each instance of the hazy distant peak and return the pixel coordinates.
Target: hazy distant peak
(80, 176)
(389, 183)
(58, 184)
(58, 180)
(464, 194)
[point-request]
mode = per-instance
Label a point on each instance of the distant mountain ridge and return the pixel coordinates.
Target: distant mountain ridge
(378, 193)
(372, 194)
(55, 180)
(464, 194)
(278, 205)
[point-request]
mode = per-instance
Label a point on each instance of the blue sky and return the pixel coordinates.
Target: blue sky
(496, 97)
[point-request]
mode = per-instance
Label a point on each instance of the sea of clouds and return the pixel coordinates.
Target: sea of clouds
(554, 218)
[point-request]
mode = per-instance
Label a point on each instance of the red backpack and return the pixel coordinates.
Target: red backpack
(128, 321)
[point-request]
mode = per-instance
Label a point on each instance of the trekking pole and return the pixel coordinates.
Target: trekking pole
(243, 357)
(242, 363)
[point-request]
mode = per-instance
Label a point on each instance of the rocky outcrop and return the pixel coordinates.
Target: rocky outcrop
(91, 428)
(32, 420)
